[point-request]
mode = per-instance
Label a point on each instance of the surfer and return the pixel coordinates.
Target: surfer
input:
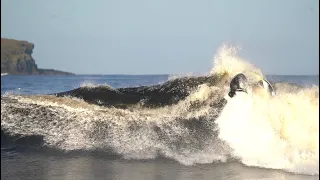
(239, 83)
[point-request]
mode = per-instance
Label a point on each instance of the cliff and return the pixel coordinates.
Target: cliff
(16, 59)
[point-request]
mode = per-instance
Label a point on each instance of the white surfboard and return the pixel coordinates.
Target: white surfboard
(266, 84)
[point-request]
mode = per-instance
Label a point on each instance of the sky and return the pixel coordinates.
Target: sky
(165, 36)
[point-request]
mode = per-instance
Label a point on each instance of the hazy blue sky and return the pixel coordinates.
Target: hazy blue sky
(165, 36)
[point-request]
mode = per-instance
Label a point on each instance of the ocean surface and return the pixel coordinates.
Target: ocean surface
(81, 163)
(53, 84)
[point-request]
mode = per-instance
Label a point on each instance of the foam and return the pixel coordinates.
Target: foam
(278, 132)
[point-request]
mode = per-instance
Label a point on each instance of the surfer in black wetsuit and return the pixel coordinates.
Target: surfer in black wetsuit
(240, 84)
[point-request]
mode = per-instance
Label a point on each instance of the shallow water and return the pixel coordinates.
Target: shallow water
(34, 165)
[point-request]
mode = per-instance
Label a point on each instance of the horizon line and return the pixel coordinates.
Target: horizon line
(186, 74)
(181, 75)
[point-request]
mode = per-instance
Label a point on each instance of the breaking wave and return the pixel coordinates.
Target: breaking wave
(280, 132)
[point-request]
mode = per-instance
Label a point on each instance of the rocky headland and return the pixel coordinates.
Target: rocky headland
(16, 59)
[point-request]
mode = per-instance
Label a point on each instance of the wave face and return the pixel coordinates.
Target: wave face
(280, 132)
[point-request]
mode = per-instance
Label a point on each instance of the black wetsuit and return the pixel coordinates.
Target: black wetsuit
(238, 83)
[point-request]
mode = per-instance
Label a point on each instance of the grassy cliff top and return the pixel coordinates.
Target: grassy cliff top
(15, 46)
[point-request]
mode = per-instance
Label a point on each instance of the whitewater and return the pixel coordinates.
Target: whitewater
(274, 132)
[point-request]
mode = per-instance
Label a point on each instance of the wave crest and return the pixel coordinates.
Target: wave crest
(278, 132)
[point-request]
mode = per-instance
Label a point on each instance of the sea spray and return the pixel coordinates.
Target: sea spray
(278, 132)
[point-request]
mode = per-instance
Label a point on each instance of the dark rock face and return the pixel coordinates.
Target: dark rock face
(16, 59)
(26, 65)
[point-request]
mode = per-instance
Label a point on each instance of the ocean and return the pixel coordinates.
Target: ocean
(37, 163)
(199, 134)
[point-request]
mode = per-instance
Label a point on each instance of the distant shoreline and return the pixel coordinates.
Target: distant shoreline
(16, 59)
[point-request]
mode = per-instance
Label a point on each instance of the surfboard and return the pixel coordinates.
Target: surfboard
(266, 84)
